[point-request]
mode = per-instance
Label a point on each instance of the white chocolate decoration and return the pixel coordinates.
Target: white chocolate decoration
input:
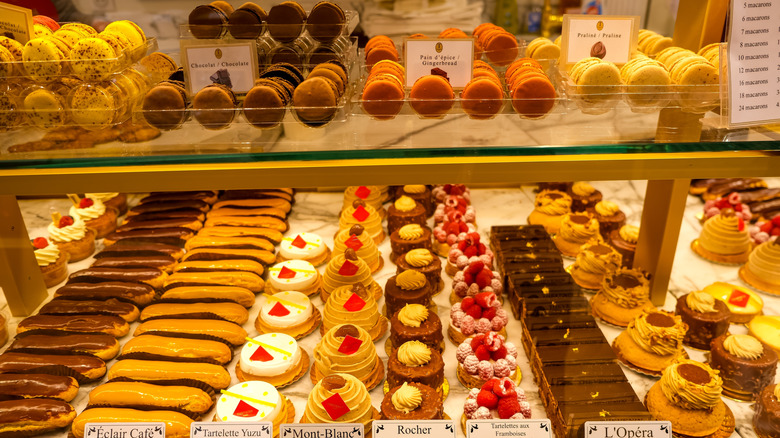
(249, 401)
(304, 275)
(278, 353)
(314, 246)
(274, 309)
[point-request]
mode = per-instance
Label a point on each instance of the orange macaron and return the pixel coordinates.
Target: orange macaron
(482, 97)
(383, 96)
(533, 95)
(431, 96)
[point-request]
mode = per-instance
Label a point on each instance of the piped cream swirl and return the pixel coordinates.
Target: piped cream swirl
(419, 257)
(743, 346)
(48, 255)
(413, 315)
(97, 209)
(414, 354)
(701, 302)
(663, 341)
(406, 398)
(764, 262)
(354, 394)
(410, 232)
(404, 204)
(689, 395)
(75, 231)
(556, 205)
(328, 359)
(331, 279)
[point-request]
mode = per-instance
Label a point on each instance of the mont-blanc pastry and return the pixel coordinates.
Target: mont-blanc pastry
(357, 239)
(724, 239)
(354, 305)
(594, 261)
(294, 275)
(652, 341)
(359, 213)
(371, 195)
(52, 262)
(72, 236)
(287, 312)
(96, 216)
(576, 230)
(624, 295)
(347, 269)
(340, 398)
(255, 401)
(762, 269)
(304, 246)
(348, 349)
(275, 358)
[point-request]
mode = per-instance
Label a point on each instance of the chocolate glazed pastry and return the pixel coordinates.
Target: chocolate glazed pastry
(136, 293)
(286, 20)
(101, 345)
(13, 386)
(34, 416)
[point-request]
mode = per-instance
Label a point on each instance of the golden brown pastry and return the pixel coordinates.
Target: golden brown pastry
(215, 376)
(140, 394)
(232, 312)
(175, 348)
(228, 332)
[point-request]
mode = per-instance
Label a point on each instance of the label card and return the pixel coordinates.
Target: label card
(334, 430)
(233, 64)
(414, 428)
(611, 38)
(509, 428)
(754, 63)
(628, 429)
(205, 429)
(16, 23)
(145, 430)
(453, 55)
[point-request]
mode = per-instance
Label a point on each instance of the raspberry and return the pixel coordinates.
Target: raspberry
(511, 350)
(734, 198)
(471, 406)
(456, 189)
(464, 349)
(467, 325)
(487, 399)
(775, 232)
(475, 312)
(40, 242)
(508, 407)
(484, 299)
(501, 368)
(477, 340)
(462, 245)
(483, 325)
(497, 323)
(451, 239)
(521, 397)
(460, 289)
(485, 370)
(517, 416)
(461, 262)
(463, 227)
(65, 221)
(473, 393)
(468, 277)
(761, 237)
(710, 212)
(490, 312)
(440, 234)
(487, 259)
(476, 267)
(525, 409)
(499, 354)
(492, 341)
(722, 203)
(776, 220)
(451, 228)
(496, 286)
(484, 278)
(473, 289)
(505, 388)
(458, 277)
(482, 413)
(471, 365)
(488, 386)
(482, 353)
(512, 362)
(470, 251)
(466, 303)
(86, 203)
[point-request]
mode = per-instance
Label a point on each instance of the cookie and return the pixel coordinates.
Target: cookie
(214, 106)
(131, 132)
(45, 108)
(100, 136)
(94, 59)
(286, 21)
(247, 22)
(315, 101)
(164, 105)
(326, 22)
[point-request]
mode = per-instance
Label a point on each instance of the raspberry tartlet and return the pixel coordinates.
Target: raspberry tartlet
(466, 250)
(475, 278)
(481, 313)
(484, 356)
(447, 233)
(497, 398)
(440, 192)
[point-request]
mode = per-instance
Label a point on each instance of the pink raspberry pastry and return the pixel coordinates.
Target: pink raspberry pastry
(497, 398)
(454, 207)
(732, 201)
(475, 278)
(467, 249)
(447, 233)
(441, 192)
(485, 356)
(764, 231)
(481, 313)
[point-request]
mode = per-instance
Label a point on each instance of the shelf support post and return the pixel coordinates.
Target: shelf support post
(20, 276)
(662, 217)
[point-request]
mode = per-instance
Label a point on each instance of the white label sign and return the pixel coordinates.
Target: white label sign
(628, 429)
(754, 62)
(414, 428)
(343, 430)
(509, 429)
(124, 430)
(234, 65)
(454, 56)
(612, 39)
(232, 429)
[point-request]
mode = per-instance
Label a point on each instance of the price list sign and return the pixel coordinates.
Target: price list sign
(754, 62)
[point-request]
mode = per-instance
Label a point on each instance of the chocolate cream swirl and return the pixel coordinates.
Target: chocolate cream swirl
(661, 340)
(679, 388)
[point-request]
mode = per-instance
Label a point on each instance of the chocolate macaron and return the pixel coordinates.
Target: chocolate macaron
(247, 22)
(215, 106)
(315, 101)
(286, 21)
(208, 21)
(326, 21)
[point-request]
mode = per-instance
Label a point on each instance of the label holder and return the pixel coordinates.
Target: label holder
(620, 32)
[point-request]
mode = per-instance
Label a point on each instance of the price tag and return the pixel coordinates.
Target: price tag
(16, 23)
(233, 64)
(754, 62)
(414, 428)
(333, 430)
(232, 429)
(453, 55)
(509, 429)
(609, 37)
(628, 429)
(124, 430)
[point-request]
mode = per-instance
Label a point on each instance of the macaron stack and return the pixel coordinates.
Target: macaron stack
(597, 81)
(452, 32)
(712, 53)
(499, 46)
(483, 95)
(542, 48)
(379, 48)
(688, 68)
(316, 99)
(383, 92)
(532, 92)
(651, 43)
(647, 82)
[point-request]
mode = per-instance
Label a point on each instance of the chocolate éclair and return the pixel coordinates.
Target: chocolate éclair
(179, 222)
(207, 196)
(139, 294)
(259, 211)
(109, 324)
(102, 345)
(127, 311)
(159, 206)
(280, 203)
(172, 236)
(140, 250)
(152, 276)
(162, 262)
(30, 386)
(86, 368)
(192, 213)
(34, 416)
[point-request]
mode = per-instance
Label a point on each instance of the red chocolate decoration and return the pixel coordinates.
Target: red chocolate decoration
(286, 272)
(354, 303)
(353, 242)
(335, 406)
(362, 192)
(65, 221)
(349, 345)
(278, 310)
(245, 410)
(261, 355)
(739, 298)
(360, 213)
(348, 269)
(299, 242)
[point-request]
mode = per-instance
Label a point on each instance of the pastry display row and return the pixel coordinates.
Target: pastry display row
(208, 320)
